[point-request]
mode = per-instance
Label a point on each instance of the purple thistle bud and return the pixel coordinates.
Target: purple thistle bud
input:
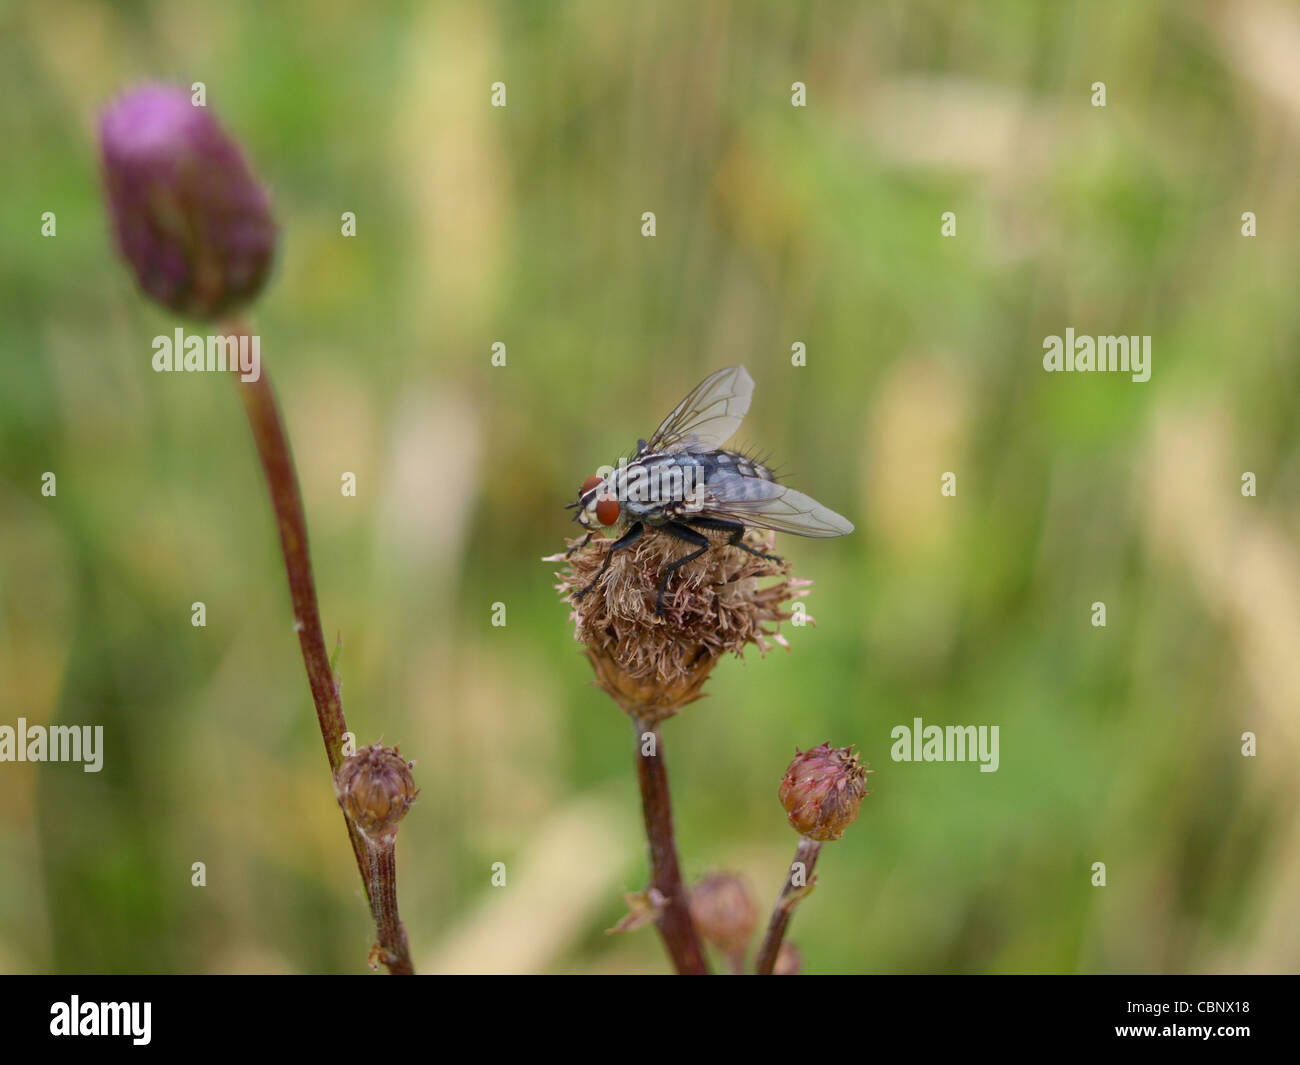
(188, 214)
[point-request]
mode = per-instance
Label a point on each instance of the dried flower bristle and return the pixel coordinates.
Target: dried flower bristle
(653, 665)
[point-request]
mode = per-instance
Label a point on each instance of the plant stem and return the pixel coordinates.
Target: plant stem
(393, 950)
(805, 856)
(674, 923)
(282, 481)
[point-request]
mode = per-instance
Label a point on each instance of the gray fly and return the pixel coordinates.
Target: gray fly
(683, 482)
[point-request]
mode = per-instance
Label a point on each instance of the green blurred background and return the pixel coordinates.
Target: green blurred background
(775, 225)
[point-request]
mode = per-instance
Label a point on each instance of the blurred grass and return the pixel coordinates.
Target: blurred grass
(775, 224)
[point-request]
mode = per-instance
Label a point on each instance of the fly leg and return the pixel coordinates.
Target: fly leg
(626, 540)
(682, 532)
(578, 547)
(737, 531)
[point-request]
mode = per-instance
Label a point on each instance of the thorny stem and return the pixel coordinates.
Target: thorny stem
(282, 481)
(805, 857)
(674, 923)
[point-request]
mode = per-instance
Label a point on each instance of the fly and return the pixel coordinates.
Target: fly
(683, 482)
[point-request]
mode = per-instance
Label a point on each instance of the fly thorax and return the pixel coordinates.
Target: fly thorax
(651, 485)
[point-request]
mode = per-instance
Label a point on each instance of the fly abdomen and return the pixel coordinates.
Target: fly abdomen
(734, 462)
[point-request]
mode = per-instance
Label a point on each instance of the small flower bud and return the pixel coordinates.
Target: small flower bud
(188, 215)
(375, 788)
(723, 912)
(788, 960)
(822, 791)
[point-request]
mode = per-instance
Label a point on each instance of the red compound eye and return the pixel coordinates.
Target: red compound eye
(591, 483)
(607, 511)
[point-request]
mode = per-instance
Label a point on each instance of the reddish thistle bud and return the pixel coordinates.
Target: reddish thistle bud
(723, 912)
(188, 215)
(375, 788)
(822, 791)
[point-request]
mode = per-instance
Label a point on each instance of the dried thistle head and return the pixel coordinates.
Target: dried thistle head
(650, 664)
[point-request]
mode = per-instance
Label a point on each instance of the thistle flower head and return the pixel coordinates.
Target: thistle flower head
(187, 213)
(653, 665)
(723, 912)
(375, 788)
(822, 791)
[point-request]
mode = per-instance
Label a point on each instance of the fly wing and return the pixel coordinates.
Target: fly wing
(709, 415)
(768, 505)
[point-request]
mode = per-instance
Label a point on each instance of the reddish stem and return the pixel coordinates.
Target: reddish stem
(805, 855)
(393, 949)
(674, 923)
(282, 481)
